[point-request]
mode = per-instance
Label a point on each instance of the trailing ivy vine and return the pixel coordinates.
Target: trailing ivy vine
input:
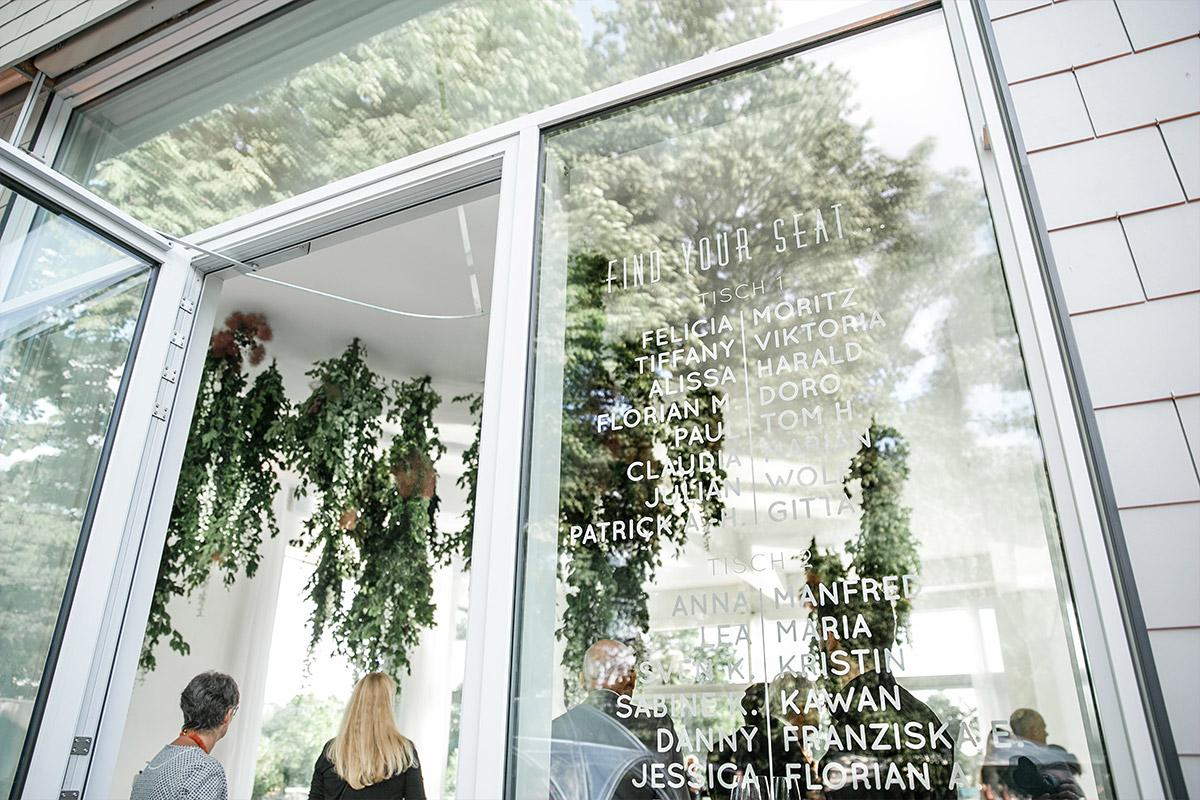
(375, 520)
(236, 445)
(365, 447)
(452, 543)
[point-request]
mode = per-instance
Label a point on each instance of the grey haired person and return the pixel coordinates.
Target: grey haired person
(185, 768)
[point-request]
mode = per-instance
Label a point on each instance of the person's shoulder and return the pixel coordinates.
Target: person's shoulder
(323, 761)
(412, 751)
(204, 763)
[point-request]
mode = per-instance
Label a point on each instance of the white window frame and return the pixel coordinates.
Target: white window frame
(148, 459)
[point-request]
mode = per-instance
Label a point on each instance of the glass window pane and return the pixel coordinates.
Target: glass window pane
(331, 89)
(42, 249)
(61, 364)
(789, 515)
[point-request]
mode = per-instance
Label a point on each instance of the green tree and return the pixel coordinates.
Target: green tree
(292, 738)
(410, 84)
(737, 152)
(884, 547)
(605, 578)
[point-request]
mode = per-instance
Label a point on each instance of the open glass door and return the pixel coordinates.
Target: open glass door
(79, 285)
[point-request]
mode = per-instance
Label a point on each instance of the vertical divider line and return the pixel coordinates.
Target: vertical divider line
(762, 629)
(1186, 442)
(749, 427)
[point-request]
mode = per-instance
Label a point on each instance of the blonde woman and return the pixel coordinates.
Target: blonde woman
(369, 757)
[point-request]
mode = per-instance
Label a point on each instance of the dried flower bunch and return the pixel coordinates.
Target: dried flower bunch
(243, 332)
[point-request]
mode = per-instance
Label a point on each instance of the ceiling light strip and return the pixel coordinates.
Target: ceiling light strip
(366, 305)
(474, 281)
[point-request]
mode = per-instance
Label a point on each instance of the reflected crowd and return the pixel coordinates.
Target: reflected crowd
(790, 747)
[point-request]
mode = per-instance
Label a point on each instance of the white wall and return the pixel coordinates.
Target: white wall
(1107, 94)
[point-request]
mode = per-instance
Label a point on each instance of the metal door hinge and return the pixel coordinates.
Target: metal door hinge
(170, 374)
(187, 305)
(81, 746)
(68, 796)
(160, 412)
(178, 339)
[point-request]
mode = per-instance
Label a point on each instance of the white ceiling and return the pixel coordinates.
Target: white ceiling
(415, 260)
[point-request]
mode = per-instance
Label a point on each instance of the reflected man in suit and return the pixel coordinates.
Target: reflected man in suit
(607, 737)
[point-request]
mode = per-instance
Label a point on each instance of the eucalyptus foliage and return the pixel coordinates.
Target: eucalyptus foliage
(374, 521)
(229, 478)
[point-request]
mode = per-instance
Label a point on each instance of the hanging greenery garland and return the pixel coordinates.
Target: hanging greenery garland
(451, 543)
(229, 477)
(373, 526)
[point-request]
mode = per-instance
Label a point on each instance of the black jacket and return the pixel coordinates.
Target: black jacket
(328, 785)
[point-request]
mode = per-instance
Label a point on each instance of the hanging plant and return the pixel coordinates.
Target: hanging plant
(374, 521)
(228, 479)
(447, 544)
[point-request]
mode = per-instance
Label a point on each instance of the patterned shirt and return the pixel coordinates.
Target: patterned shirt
(179, 772)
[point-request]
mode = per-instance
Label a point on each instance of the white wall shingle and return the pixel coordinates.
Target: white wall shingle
(1191, 773)
(1176, 654)
(1168, 587)
(1151, 22)
(1051, 111)
(9, 11)
(1183, 143)
(1096, 179)
(1095, 267)
(35, 16)
(1189, 417)
(1143, 87)
(1147, 455)
(1166, 248)
(1058, 37)
(47, 23)
(1147, 351)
